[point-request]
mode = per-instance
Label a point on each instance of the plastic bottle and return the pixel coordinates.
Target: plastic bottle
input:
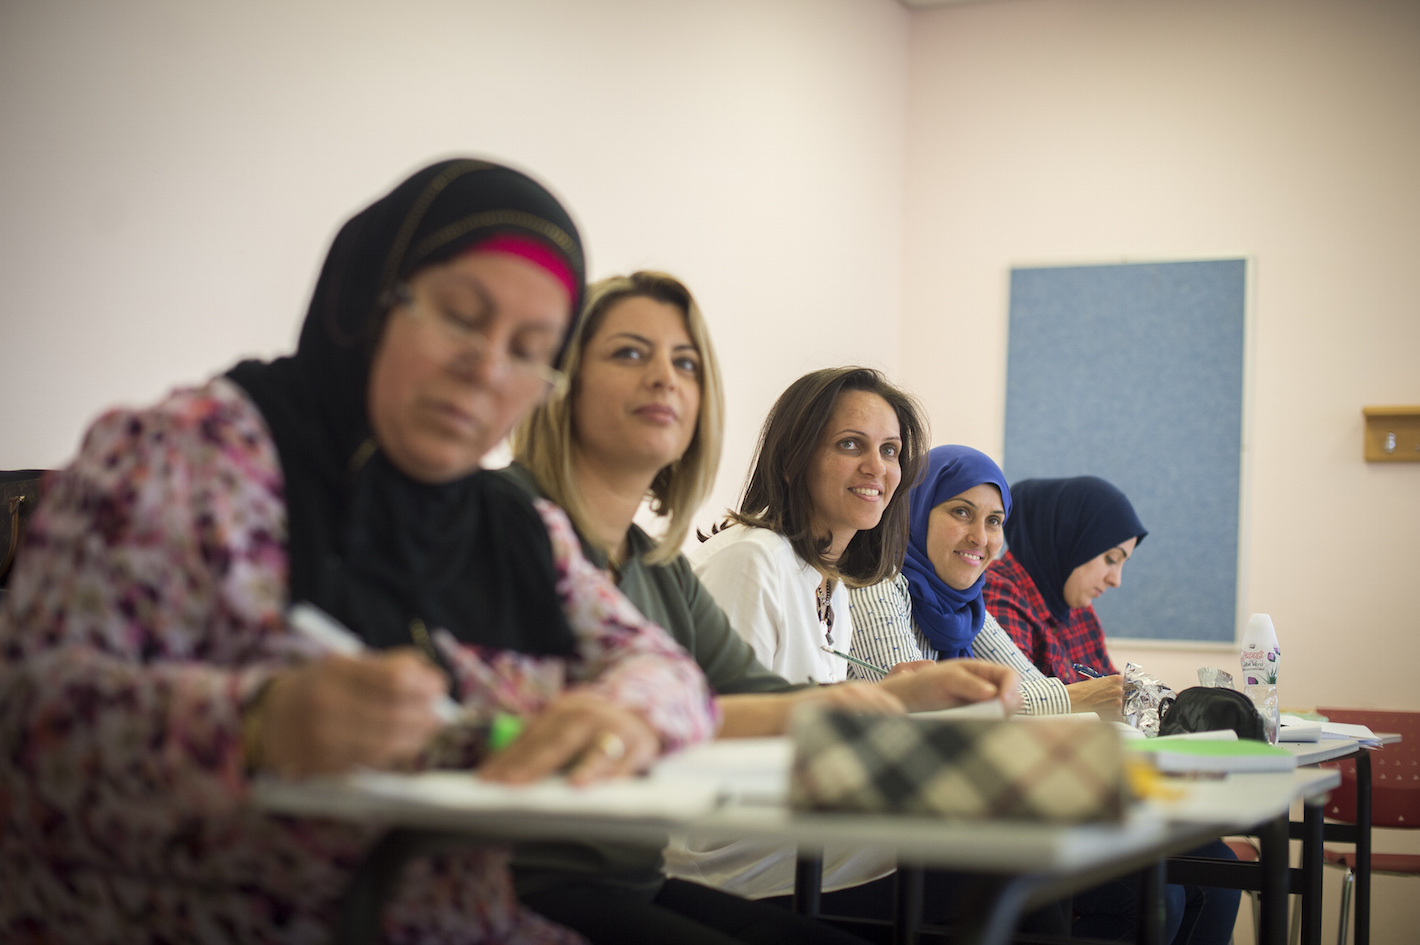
(1261, 658)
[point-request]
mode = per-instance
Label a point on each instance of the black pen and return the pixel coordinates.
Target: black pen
(1085, 671)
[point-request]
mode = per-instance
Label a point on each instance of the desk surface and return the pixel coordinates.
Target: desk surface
(1204, 808)
(1328, 749)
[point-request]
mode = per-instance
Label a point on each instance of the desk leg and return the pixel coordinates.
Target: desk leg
(808, 884)
(1363, 848)
(1274, 839)
(1312, 823)
(1151, 904)
(907, 912)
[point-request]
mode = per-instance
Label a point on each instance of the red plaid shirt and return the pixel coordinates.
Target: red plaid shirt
(1052, 645)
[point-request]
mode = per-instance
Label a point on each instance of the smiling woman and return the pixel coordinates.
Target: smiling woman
(821, 506)
(935, 608)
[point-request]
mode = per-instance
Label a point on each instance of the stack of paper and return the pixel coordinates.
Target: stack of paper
(745, 770)
(1361, 733)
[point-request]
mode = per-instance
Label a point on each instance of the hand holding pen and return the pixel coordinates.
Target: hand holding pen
(580, 731)
(1098, 693)
(351, 708)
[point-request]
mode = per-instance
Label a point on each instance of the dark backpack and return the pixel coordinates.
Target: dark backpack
(1211, 708)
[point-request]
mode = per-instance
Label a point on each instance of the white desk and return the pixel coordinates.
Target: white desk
(1033, 862)
(1328, 749)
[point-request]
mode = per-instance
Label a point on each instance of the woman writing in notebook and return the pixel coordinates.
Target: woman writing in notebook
(1067, 544)
(147, 670)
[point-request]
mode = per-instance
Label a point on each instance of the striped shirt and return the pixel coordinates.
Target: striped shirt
(885, 634)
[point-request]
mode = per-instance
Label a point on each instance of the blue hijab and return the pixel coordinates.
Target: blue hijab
(1062, 523)
(949, 618)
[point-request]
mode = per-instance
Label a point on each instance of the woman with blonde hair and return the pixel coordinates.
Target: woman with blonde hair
(681, 414)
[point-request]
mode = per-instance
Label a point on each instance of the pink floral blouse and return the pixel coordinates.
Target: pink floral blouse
(144, 611)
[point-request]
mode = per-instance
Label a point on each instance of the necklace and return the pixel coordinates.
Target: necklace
(824, 598)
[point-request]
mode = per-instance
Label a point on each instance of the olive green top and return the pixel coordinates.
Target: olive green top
(673, 597)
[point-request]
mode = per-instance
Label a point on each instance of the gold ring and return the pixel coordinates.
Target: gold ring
(610, 745)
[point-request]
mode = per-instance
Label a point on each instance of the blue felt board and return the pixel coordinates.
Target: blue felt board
(1135, 373)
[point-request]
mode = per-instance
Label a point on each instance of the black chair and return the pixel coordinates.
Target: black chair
(19, 494)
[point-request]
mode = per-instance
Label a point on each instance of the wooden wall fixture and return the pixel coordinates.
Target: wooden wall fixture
(1392, 434)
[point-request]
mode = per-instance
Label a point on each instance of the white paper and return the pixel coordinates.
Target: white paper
(1297, 729)
(991, 709)
(653, 796)
(1345, 730)
(745, 770)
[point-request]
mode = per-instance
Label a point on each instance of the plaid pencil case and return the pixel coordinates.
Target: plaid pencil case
(1060, 771)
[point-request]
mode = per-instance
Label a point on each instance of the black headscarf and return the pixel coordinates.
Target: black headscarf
(1059, 524)
(368, 544)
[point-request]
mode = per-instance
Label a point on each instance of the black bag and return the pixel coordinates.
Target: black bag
(1208, 709)
(19, 494)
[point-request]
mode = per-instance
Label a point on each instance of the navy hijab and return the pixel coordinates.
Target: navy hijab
(1062, 523)
(949, 618)
(368, 544)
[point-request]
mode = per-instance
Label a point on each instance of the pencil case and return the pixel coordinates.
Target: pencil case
(1057, 771)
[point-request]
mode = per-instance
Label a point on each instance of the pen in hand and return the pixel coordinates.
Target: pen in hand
(1087, 672)
(854, 660)
(320, 627)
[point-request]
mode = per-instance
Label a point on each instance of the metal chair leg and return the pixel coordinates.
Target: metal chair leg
(1346, 885)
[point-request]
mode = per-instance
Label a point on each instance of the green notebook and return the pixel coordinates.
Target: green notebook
(1202, 755)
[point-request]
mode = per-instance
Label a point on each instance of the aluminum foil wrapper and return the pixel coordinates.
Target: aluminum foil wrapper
(1142, 695)
(1214, 678)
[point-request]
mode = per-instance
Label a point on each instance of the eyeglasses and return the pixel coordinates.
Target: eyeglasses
(465, 335)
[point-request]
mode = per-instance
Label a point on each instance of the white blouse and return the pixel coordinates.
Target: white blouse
(770, 595)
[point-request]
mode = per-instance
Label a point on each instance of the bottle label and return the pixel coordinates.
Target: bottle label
(1259, 666)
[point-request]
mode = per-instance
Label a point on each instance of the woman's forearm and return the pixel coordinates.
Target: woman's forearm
(754, 715)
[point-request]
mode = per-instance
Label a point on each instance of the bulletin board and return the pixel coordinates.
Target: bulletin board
(1135, 373)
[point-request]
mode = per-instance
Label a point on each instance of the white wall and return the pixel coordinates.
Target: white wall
(1284, 130)
(172, 176)
(173, 173)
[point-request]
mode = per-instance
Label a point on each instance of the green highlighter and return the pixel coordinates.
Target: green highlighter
(505, 728)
